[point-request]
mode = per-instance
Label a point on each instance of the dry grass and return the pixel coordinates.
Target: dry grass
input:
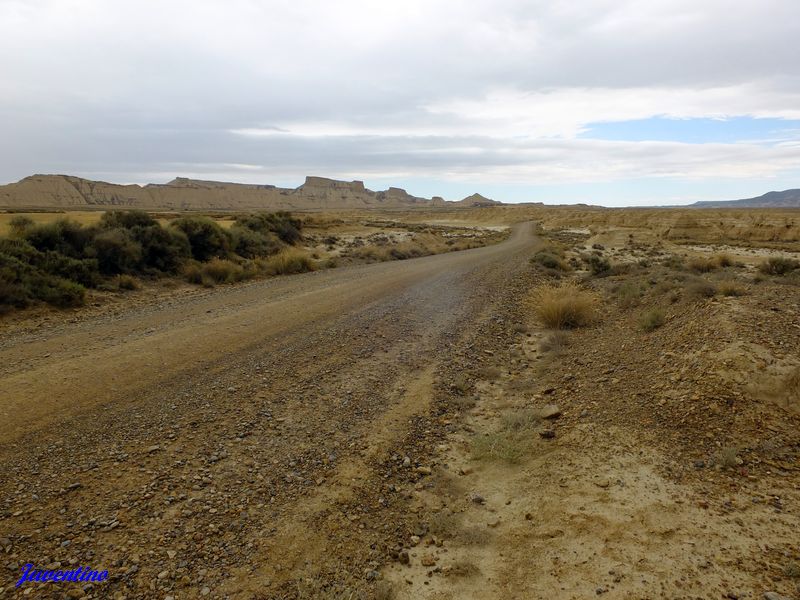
(127, 282)
(778, 265)
(555, 343)
(287, 262)
(512, 442)
(652, 319)
(728, 457)
(729, 287)
(564, 306)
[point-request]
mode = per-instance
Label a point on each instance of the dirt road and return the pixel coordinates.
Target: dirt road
(234, 443)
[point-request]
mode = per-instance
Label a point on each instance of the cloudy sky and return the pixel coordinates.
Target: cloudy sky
(613, 102)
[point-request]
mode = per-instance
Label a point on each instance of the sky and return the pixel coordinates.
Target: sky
(612, 102)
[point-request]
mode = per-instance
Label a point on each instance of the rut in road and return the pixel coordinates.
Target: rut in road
(216, 475)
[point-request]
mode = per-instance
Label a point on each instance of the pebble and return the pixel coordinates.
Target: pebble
(550, 411)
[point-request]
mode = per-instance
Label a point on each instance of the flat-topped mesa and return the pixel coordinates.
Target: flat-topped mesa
(183, 193)
(323, 183)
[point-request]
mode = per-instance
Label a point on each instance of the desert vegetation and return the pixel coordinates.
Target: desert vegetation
(56, 262)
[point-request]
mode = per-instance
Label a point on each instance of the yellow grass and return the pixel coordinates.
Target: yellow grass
(564, 306)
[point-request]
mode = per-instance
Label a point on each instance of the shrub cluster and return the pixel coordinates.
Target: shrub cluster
(55, 262)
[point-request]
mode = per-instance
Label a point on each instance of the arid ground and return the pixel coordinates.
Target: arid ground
(425, 428)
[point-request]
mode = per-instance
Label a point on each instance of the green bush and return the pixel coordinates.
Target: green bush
(163, 250)
(207, 239)
(249, 243)
(281, 223)
(598, 265)
(549, 261)
(116, 251)
(127, 219)
(62, 236)
(19, 225)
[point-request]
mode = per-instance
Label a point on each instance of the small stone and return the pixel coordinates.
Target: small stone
(428, 560)
(424, 470)
(406, 462)
(493, 523)
(205, 591)
(476, 498)
(414, 540)
(550, 411)
(152, 449)
(547, 434)
(774, 596)
(172, 553)
(403, 557)
(163, 574)
(528, 517)
(699, 464)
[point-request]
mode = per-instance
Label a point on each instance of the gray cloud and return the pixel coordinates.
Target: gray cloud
(482, 91)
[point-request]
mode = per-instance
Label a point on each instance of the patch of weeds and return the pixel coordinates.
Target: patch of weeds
(564, 306)
(652, 319)
(728, 458)
(521, 420)
(778, 265)
(503, 446)
(598, 265)
(549, 260)
(730, 287)
(629, 294)
(126, 282)
(703, 265)
(702, 289)
(792, 570)
(555, 343)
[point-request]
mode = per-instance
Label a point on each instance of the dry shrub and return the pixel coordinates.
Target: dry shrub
(728, 457)
(629, 293)
(730, 287)
(723, 259)
(127, 282)
(652, 319)
(703, 265)
(778, 265)
(220, 270)
(288, 262)
(564, 306)
(557, 342)
(702, 289)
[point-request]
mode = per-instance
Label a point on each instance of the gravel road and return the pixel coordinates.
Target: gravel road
(232, 443)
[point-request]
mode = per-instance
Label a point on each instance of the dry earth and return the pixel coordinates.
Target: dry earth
(325, 436)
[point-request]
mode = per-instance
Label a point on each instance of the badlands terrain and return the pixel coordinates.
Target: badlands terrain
(579, 403)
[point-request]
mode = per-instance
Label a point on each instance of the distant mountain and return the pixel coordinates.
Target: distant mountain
(65, 191)
(785, 199)
(478, 200)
